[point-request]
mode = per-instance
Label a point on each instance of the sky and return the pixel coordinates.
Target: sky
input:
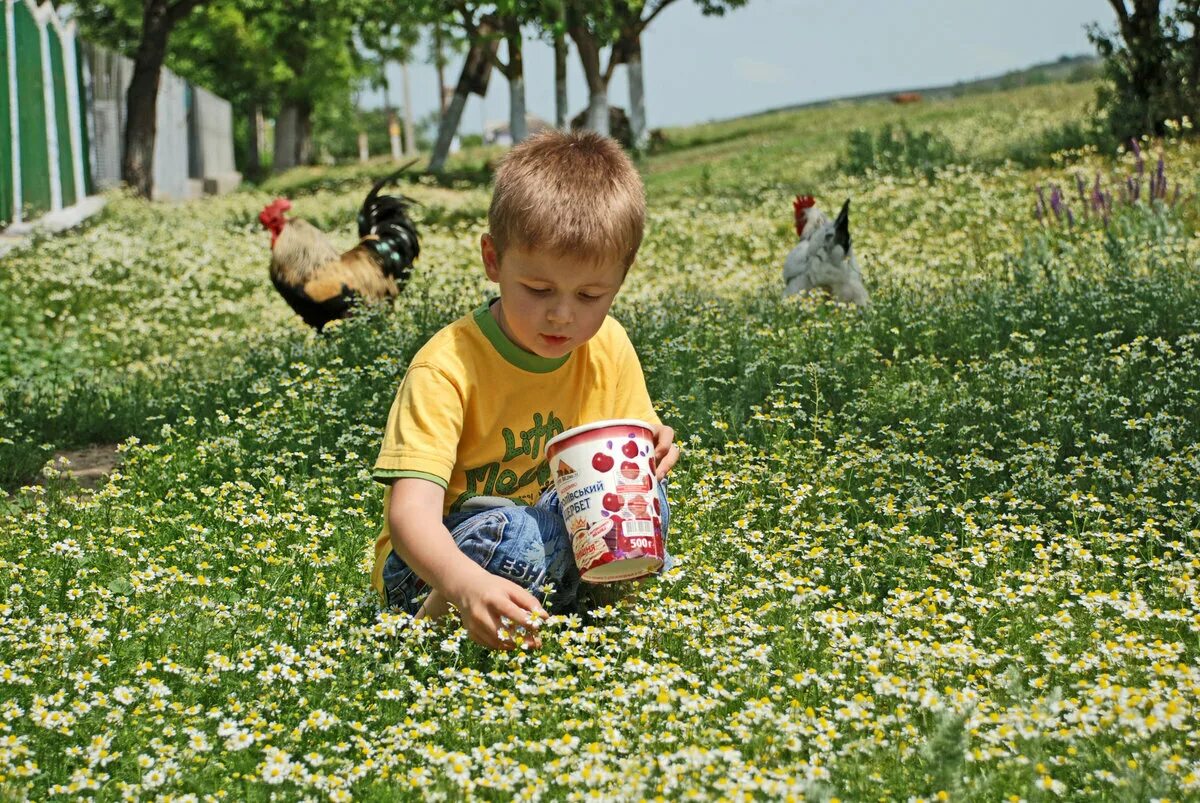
(774, 53)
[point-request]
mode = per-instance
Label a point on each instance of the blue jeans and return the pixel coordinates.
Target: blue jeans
(528, 545)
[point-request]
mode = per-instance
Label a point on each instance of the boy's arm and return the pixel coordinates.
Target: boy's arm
(425, 545)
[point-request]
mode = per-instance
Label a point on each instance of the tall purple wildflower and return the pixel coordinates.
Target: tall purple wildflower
(1098, 201)
(1056, 201)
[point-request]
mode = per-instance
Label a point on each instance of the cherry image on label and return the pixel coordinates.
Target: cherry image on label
(629, 470)
(611, 539)
(601, 461)
(657, 507)
(612, 502)
(630, 449)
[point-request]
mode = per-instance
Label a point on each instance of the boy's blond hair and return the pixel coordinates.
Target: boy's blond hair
(573, 193)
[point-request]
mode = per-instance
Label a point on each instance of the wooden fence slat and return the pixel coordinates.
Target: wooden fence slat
(31, 113)
(83, 103)
(62, 120)
(7, 143)
(42, 16)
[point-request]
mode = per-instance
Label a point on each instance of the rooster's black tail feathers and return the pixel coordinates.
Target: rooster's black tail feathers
(387, 218)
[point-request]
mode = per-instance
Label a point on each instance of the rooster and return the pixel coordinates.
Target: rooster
(823, 258)
(319, 283)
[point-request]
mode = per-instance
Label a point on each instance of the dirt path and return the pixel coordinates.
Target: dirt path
(89, 465)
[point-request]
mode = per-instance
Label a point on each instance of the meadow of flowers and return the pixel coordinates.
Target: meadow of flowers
(944, 549)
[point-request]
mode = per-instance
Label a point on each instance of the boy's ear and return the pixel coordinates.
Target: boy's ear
(491, 260)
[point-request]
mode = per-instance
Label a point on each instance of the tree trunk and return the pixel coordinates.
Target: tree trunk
(293, 136)
(589, 57)
(517, 128)
(447, 129)
(141, 100)
(560, 81)
(637, 96)
(393, 124)
(598, 112)
(475, 75)
(252, 166)
(304, 141)
(440, 63)
(410, 143)
(285, 139)
(394, 137)
(517, 125)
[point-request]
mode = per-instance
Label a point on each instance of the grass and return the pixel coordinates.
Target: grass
(942, 547)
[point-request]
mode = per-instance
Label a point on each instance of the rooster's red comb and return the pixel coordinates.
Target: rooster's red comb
(801, 203)
(273, 211)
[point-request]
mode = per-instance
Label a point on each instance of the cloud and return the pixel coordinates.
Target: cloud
(758, 72)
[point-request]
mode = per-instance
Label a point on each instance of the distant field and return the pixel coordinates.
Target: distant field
(944, 548)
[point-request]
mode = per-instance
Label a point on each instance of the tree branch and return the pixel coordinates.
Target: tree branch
(1122, 17)
(644, 23)
(486, 30)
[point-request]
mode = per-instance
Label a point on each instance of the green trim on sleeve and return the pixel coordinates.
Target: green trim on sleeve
(509, 350)
(389, 477)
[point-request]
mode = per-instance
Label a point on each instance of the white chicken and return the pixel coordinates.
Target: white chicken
(823, 259)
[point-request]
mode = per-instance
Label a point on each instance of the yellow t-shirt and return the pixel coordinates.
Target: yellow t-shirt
(475, 411)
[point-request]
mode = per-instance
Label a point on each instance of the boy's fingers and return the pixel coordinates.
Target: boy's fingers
(528, 603)
(668, 461)
(522, 613)
(515, 628)
(662, 441)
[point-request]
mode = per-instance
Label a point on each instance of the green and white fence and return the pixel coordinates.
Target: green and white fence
(62, 121)
(44, 162)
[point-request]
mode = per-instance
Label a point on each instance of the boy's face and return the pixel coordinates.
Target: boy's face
(550, 304)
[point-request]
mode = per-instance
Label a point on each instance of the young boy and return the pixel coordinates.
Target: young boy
(470, 516)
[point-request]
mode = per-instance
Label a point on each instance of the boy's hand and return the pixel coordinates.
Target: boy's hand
(666, 453)
(486, 599)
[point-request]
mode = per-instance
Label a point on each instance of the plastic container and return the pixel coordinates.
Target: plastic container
(604, 475)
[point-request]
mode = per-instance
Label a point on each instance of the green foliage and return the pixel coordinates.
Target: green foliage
(897, 151)
(1152, 67)
(1062, 144)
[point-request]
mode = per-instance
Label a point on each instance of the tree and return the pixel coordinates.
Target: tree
(592, 27)
(158, 19)
(504, 20)
(1152, 64)
(620, 23)
(559, 34)
(552, 24)
(485, 25)
(476, 71)
(392, 37)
